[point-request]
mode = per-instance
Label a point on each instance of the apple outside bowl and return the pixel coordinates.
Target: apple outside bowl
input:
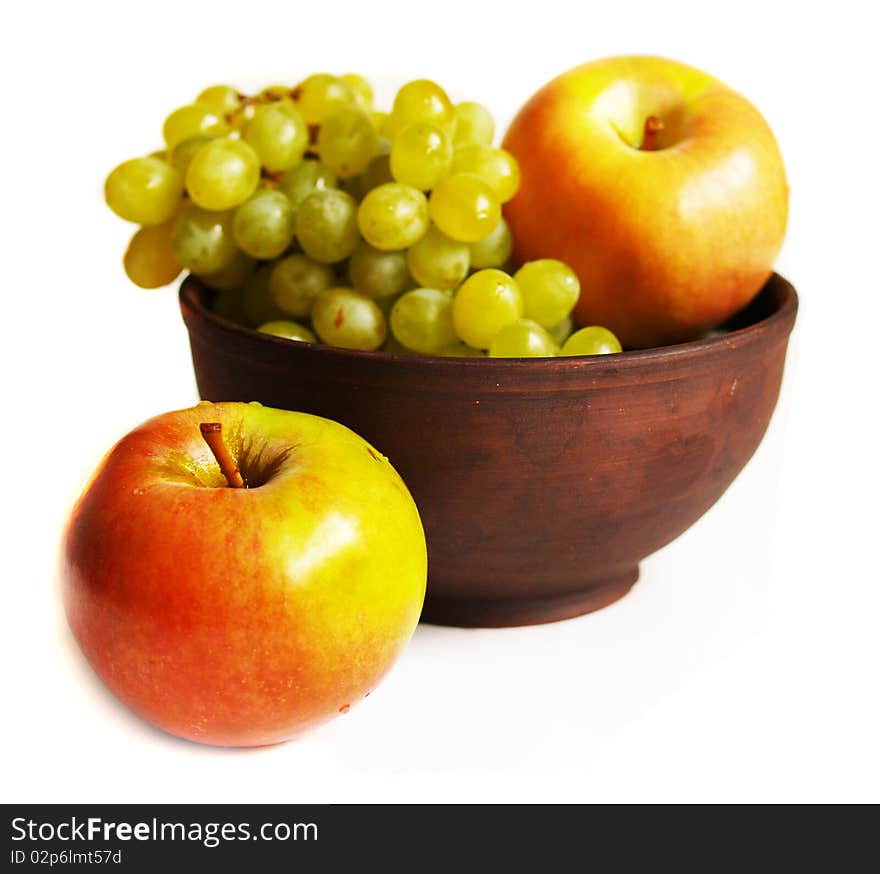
(542, 483)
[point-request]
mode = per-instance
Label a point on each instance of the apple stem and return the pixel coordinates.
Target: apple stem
(653, 126)
(213, 434)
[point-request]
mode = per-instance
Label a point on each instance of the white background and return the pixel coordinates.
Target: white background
(744, 664)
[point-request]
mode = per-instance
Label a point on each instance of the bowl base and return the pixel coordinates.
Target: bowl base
(510, 612)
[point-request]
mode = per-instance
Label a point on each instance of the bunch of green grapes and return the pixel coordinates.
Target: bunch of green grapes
(316, 217)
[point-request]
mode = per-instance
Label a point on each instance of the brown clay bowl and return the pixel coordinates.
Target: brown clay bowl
(542, 483)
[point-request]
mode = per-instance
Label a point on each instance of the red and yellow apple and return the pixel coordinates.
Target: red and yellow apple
(660, 186)
(240, 616)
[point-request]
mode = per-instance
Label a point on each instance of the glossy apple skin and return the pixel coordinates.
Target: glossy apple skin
(241, 617)
(669, 243)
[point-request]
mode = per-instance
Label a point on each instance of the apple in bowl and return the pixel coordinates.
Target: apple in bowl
(660, 186)
(236, 574)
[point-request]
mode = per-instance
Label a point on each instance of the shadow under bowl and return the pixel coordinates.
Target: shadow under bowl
(542, 483)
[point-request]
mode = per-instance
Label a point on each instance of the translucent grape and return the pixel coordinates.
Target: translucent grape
(202, 240)
(392, 346)
(497, 167)
(190, 121)
(326, 225)
(229, 304)
(550, 289)
(420, 101)
(320, 95)
(288, 330)
(523, 339)
(561, 331)
(393, 216)
(234, 275)
(473, 125)
(144, 190)
(360, 88)
(183, 153)
(484, 304)
(149, 260)
(279, 136)
(223, 174)
(421, 320)
(347, 141)
(494, 250)
(421, 155)
(299, 182)
(264, 224)
(436, 261)
(464, 207)
(378, 274)
(222, 99)
(345, 317)
(295, 282)
(257, 301)
(239, 118)
(378, 172)
(594, 340)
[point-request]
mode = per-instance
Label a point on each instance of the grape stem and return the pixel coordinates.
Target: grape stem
(213, 434)
(653, 126)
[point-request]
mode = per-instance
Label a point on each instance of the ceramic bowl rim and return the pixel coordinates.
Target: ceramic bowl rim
(777, 324)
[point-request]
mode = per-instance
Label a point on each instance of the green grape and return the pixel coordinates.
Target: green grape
(191, 121)
(279, 136)
(422, 320)
(202, 240)
(300, 181)
(295, 282)
(234, 275)
(378, 172)
(360, 88)
(377, 274)
(594, 340)
(494, 250)
(239, 118)
(420, 101)
(421, 155)
(346, 318)
(183, 153)
(257, 301)
(320, 95)
(550, 289)
(562, 331)
(436, 261)
(264, 224)
(497, 167)
(484, 304)
(222, 174)
(523, 339)
(326, 225)
(222, 99)
(149, 260)
(347, 141)
(288, 330)
(229, 304)
(392, 346)
(464, 207)
(144, 190)
(461, 350)
(393, 216)
(473, 125)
